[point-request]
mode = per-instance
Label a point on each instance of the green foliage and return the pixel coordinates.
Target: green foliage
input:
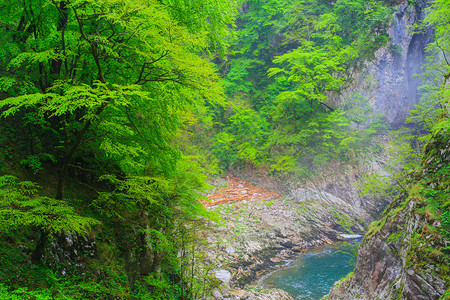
(237, 77)
(283, 164)
(22, 206)
(287, 60)
(24, 294)
(368, 33)
(43, 283)
(122, 75)
(344, 221)
(109, 94)
(310, 69)
(35, 161)
(242, 140)
(213, 18)
(403, 155)
(268, 203)
(432, 111)
(351, 249)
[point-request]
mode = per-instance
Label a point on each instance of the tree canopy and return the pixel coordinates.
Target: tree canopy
(114, 112)
(288, 59)
(101, 89)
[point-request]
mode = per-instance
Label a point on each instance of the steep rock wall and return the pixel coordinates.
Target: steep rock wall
(389, 81)
(406, 254)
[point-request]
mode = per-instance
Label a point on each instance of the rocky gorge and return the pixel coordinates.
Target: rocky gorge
(240, 152)
(406, 255)
(257, 236)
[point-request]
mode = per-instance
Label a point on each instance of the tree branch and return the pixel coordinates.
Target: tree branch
(147, 64)
(326, 105)
(443, 52)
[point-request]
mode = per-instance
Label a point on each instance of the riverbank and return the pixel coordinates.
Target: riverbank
(257, 235)
(311, 275)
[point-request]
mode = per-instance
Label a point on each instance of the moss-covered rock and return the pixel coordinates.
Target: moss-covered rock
(406, 255)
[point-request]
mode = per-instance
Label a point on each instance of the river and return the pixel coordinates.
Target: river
(310, 276)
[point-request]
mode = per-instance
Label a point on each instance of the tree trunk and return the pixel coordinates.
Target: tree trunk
(69, 153)
(38, 252)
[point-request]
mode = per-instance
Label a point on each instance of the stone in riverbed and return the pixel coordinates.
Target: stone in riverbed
(287, 243)
(223, 275)
(280, 232)
(253, 246)
(271, 235)
(241, 294)
(230, 250)
(276, 259)
(217, 295)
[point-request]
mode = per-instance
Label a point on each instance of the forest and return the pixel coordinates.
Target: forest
(115, 116)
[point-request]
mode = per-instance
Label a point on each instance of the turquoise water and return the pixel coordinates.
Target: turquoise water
(311, 275)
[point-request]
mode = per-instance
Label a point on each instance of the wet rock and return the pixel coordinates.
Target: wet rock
(70, 248)
(296, 249)
(276, 259)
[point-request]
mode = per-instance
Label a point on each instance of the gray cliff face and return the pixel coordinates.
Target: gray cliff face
(384, 270)
(405, 254)
(389, 81)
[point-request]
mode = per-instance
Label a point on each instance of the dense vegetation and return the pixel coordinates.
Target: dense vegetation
(113, 116)
(98, 99)
(429, 121)
(286, 62)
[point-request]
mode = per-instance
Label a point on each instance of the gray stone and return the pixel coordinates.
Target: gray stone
(217, 295)
(382, 267)
(230, 250)
(223, 275)
(253, 246)
(287, 243)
